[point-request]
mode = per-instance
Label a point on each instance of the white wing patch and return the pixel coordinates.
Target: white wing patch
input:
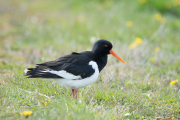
(25, 71)
(80, 83)
(64, 74)
(94, 65)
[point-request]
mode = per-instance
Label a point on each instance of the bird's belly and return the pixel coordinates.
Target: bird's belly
(74, 84)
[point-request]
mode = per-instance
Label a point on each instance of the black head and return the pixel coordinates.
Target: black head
(102, 47)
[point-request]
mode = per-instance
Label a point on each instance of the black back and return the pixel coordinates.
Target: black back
(75, 63)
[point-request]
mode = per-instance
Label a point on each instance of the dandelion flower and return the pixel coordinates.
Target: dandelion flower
(129, 24)
(169, 118)
(45, 103)
(158, 17)
(174, 82)
(156, 49)
(152, 59)
(176, 2)
(142, 1)
(138, 40)
(133, 45)
(26, 113)
(107, 3)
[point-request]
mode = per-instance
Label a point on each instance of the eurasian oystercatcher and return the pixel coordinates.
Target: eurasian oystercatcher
(77, 69)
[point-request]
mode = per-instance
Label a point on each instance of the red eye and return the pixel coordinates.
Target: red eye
(106, 45)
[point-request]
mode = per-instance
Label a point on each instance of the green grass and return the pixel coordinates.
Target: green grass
(37, 31)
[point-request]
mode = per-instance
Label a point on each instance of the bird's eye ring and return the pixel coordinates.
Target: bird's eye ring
(106, 45)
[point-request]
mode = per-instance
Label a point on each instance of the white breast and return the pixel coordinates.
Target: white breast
(74, 84)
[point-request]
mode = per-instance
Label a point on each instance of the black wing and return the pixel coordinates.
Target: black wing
(68, 67)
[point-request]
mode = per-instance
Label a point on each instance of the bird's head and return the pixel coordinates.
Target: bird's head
(104, 47)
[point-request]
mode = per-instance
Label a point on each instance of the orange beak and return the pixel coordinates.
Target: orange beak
(115, 55)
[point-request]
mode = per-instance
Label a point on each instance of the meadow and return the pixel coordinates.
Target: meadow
(145, 33)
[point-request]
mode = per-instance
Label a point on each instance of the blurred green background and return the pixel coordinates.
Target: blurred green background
(145, 33)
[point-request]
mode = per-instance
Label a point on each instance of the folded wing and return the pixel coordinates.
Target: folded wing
(74, 66)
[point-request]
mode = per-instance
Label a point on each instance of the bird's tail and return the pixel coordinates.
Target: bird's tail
(39, 73)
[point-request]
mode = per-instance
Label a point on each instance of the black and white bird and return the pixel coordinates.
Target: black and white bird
(76, 70)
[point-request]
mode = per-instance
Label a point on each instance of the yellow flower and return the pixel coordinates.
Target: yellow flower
(133, 45)
(156, 49)
(158, 17)
(107, 3)
(152, 59)
(45, 103)
(138, 40)
(129, 24)
(26, 113)
(142, 1)
(176, 2)
(169, 118)
(174, 82)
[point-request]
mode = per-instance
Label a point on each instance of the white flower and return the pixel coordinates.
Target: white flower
(93, 39)
(127, 114)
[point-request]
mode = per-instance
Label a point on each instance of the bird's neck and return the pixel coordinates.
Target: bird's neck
(101, 60)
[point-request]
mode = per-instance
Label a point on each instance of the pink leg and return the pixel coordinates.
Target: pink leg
(74, 92)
